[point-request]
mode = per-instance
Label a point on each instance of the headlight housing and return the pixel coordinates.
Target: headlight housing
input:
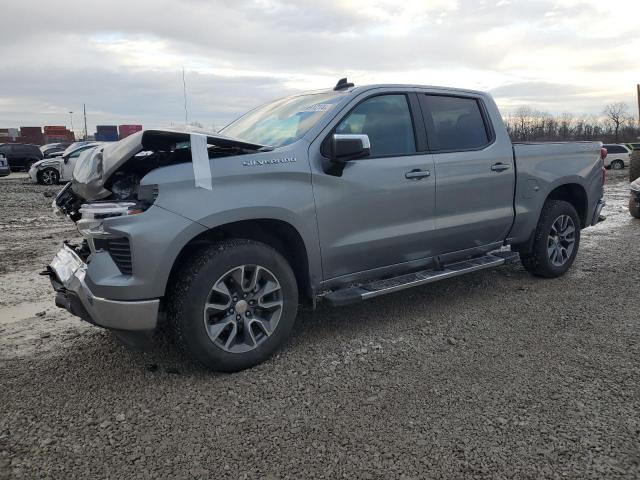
(94, 215)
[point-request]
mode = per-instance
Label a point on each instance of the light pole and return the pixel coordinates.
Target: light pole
(71, 117)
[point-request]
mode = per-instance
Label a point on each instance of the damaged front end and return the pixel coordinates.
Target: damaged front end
(96, 280)
(112, 173)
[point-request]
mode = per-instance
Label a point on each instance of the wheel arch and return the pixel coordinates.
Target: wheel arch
(278, 234)
(576, 195)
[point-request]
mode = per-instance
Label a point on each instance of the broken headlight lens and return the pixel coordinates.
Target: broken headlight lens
(94, 215)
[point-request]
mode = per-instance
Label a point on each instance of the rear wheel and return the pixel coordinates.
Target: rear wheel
(233, 304)
(556, 240)
(48, 176)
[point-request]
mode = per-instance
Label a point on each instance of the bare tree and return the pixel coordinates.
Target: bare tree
(527, 124)
(617, 116)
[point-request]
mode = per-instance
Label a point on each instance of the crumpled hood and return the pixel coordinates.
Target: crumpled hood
(91, 175)
(47, 162)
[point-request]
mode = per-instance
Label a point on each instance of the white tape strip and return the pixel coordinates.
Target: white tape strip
(200, 160)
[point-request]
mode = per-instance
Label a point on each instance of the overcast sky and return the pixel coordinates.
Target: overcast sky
(125, 58)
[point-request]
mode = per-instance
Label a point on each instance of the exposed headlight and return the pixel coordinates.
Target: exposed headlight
(94, 215)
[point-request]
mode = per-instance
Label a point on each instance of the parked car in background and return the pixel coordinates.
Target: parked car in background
(21, 155)
(343, 194)
(4, 166)
(618, 156)
(633, 146)
(51, 171)
(53, 149)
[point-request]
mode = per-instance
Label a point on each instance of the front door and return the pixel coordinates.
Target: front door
(380, 212)
(476, 175)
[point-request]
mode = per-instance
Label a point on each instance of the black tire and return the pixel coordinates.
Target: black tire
(538, 261)
(48, 176)
(634, 209)
(192, 289)
(634, 168)
(617, 165)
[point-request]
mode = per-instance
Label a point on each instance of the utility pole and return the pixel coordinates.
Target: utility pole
(71, 117)
(184, 92)
(84, 109)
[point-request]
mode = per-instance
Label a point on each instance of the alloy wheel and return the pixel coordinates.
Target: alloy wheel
(49, 177)
(561, 240)
(243, 308)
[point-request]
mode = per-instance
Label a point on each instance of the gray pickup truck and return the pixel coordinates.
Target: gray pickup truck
(342, 195)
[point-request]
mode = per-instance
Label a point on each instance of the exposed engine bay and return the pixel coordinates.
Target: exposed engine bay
(110, 178)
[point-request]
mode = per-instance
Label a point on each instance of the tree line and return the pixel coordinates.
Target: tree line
(615, 125)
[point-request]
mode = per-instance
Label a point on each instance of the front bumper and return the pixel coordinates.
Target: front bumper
(33, 173)
(67, 273)
(4, 170)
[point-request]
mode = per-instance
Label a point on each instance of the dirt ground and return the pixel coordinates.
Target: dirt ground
(493, 375)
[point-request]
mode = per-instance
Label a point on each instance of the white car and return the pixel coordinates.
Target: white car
(51, 171)
(618, 156)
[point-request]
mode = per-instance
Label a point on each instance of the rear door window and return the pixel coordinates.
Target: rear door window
(386, 119)
(616, 149)
(454, 123)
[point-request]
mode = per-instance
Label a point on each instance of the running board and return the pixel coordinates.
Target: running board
(355, 294)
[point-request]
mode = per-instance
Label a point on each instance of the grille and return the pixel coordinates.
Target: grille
(120, 251)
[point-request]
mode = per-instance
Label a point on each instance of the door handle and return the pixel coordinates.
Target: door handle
(500, 167)
(417, 174)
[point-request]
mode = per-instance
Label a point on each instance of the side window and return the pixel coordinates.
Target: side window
(386, 119)
(454, 123)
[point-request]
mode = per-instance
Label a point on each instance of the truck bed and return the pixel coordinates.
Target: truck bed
(541, 166)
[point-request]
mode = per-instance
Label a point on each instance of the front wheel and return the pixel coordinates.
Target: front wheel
(48, 176)
(556, 240)
(233, 304)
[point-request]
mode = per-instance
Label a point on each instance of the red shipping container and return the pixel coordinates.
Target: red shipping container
(54, 129)
(126, 130)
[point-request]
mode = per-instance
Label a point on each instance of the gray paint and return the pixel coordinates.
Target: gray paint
(369, 222)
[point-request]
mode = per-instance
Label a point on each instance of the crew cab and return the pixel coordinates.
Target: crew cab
(59, 169)
(338, 195)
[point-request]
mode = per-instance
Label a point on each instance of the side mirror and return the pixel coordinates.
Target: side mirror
(346, 147)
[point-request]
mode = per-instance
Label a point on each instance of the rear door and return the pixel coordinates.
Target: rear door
(475, 174)
(380, 211)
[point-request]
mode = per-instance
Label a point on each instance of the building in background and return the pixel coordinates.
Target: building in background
(9, 135)
(126, 130)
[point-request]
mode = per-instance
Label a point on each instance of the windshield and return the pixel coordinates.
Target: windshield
(284, 121)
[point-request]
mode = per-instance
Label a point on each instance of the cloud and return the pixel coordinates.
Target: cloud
(124, 59)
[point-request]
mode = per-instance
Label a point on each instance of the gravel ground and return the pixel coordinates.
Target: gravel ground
(493, 375)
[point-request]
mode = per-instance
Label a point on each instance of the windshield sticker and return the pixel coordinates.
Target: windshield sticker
(200, 160)
(318, 107)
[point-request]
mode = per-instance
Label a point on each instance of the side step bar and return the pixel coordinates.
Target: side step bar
(376, 288)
